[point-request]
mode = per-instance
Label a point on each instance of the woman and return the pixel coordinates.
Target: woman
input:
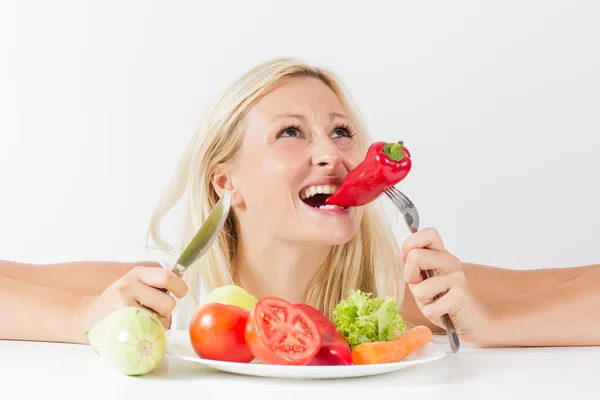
(277, 132)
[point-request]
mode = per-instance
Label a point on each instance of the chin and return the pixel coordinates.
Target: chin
(328, 227)
(334, 237)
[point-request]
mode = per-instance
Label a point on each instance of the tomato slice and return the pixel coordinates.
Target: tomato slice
(277, 332)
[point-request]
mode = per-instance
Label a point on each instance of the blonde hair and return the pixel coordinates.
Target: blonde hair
(369, 261)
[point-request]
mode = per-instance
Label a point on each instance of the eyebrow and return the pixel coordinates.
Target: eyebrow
(332, 115)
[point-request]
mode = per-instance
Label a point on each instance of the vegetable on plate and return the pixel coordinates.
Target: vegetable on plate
(364, 330)
(231, 295)
(392, 350)
(217, 332)
(334, 346)
(385, 165)
(363, 319)
(278, 332)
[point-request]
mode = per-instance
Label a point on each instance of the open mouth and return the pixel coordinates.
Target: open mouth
(315, 196)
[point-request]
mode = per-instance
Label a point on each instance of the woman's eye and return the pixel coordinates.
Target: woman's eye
(340, 132)
(290, 132)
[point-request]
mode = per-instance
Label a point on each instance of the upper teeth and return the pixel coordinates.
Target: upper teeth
(312, 190)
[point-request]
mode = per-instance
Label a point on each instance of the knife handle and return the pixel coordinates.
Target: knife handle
(177, 270)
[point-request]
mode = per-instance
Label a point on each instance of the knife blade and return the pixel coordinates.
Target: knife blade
(205, 236)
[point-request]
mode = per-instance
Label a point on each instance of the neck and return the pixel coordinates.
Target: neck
(270, 267)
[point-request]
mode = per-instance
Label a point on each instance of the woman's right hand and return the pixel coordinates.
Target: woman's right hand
(140, 287)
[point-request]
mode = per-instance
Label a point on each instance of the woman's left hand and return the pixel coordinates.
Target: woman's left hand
(424, 250)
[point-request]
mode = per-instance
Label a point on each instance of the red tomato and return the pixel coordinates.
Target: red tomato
(278, 332)
(334, 347)
(217, 333)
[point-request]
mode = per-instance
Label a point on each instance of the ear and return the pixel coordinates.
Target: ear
(222, 180)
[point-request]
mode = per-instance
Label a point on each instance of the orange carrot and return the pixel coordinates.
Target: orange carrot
(392, 350)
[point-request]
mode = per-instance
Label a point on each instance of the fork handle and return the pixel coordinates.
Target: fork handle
(450, 330)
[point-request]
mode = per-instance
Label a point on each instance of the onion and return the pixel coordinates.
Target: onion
(132, 339)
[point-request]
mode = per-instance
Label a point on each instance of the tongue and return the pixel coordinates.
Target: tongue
(317, 200)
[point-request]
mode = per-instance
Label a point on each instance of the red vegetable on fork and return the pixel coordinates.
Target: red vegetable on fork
(385, 165)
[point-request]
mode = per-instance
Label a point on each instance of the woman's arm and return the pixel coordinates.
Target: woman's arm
(36, 310)
(88, 278)
(567, 314)
(492, 283)
(500, 307)
(33, 312)
(43, 302)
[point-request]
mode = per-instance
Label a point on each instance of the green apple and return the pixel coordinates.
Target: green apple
(232, 295)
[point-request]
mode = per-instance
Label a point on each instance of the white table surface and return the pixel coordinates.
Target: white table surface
(33, 370)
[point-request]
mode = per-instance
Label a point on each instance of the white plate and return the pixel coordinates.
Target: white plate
(178, 345)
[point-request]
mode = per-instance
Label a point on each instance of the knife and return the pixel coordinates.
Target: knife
(205, 236)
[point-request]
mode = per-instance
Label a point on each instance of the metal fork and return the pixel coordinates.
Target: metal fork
(411, 217)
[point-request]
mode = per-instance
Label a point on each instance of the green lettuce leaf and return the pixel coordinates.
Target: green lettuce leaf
(363, 319)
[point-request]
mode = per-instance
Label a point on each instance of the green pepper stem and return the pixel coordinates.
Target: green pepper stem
(394, 150)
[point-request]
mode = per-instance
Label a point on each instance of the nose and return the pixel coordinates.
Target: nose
(326, 154)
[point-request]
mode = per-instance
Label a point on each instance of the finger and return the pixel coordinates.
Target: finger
(152, 264)
(427, 238)
(426, 291)
(450, 304)
(418, 260)
(165, 321)
(162, 279)
(153, 298)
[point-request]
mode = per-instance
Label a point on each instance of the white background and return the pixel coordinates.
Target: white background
(497, 101)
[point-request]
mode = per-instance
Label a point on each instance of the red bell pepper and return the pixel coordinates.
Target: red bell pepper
(385, 165)
(335, 349)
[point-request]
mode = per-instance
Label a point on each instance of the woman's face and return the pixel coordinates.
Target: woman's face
(297, 147)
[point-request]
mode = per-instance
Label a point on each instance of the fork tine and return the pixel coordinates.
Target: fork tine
(402, 196)
(395, 199)
(406, 207)
(398, 198)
